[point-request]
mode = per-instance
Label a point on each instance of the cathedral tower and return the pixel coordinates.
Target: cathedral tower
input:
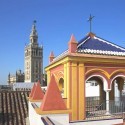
(33, 58)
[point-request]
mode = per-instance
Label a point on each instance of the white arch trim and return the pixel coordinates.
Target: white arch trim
(105, 83)
(123, 76)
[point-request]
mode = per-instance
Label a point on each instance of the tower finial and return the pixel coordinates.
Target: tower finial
(33, 34)
(33, 31)
(34, 22)
(90, 20)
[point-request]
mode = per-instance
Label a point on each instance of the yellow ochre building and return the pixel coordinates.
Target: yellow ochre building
(91, 58)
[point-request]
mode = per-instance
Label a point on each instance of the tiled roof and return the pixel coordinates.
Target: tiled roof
(61, 55)
(92, 44)
(22, 85)
(97, 45)
(13, 107)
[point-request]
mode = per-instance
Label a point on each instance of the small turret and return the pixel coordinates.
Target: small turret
(72, 44)
(51, 57)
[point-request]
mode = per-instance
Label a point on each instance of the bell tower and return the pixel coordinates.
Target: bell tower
(33, 58)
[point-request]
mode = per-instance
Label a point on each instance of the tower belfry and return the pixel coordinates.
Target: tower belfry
(33, 58)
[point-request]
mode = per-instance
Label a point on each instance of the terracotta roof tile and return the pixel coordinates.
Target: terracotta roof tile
(13, 107)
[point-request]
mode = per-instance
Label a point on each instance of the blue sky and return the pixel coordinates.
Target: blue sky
(56, 21)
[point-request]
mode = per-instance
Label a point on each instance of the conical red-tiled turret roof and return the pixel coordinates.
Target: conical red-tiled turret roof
(72, 39)
(32, 90)
(51, 57)
(38, 93)
(51, 54)
(52, 99)
(72, 44)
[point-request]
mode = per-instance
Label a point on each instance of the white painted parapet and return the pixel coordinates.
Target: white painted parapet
(35, 118)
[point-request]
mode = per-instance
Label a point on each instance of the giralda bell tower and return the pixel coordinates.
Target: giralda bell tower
(33, 58)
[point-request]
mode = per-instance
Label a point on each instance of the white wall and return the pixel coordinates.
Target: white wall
(58, 119)
(92, 91)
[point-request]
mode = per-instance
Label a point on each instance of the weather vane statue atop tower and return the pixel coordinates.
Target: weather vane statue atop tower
(34, 22)
(90, 20)
(33, 34)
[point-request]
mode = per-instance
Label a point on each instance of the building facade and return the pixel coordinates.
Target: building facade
(18, 77)
(90, 59)
(33, 58)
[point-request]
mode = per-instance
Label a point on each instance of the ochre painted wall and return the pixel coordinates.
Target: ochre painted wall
(75, 70)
